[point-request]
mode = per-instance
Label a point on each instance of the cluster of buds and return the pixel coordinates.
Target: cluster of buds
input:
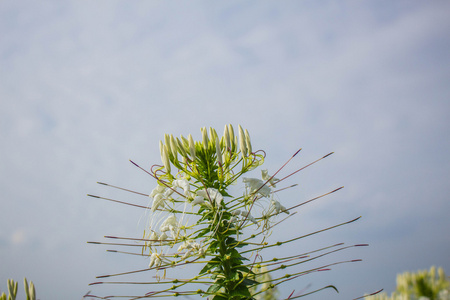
(183, 152)
(194, 218)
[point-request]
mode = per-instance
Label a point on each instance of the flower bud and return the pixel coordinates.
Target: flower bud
(173, 146)
(191, 147)
(242, 145)
(165, 159)
(212, 134)
(181, 148)
(167, 142)
(226, 137)
(232, 138)
(205, 138)
(248, 142)
(218, 151)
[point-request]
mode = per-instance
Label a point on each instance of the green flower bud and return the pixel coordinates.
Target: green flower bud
(181, 148)
(226, 137)
(167, 142)
(232, 138)
(242, 144)
(218, 151)
(248, 142)
(173, 146)
(205, 138)
(191, 147)
(165, 158)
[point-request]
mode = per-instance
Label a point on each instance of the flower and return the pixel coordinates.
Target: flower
(157, 190)
(265, 176)
(256, 185)
(192, 247)
(211, 193)
(184, 184)
(155, 260)
(170, 224)
(158, 200)
(279, 207)
(247, 215)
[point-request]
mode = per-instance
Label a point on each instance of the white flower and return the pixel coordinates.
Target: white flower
(236, 212)
(247, 215)
(154, 236)
(170, 224)
(198, 200)
(191, 246)
(158, 200)
(186, 255)
(213, 194)
(184, 246)
(184, 184)
(168, 192)
(163, 237)
(265, 176)
(159, 194)
(159, 189)
(155, 260)
(256, 185)
(279, 207)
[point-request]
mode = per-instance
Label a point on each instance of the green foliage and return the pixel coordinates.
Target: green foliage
(421, 285)
(12, 290)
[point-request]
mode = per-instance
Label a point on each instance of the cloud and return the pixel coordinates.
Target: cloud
(84, 88)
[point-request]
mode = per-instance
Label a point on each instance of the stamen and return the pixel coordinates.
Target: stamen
(122, 189)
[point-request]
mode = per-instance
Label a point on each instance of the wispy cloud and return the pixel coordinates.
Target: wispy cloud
(84, 87)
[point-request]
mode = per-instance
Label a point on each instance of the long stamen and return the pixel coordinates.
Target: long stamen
(310, 200)
(117, 201)
(102, 183)
(305, 167)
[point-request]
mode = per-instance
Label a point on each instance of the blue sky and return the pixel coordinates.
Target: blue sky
(87, 85)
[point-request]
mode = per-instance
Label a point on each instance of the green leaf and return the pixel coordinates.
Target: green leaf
(213, 263)
(213, 289)
(219, 297)
(248, 282)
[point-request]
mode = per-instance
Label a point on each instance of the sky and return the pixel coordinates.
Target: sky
(85, 86)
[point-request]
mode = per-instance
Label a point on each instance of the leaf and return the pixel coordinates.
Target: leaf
(213, 263)
(213, 289)
(248, 282)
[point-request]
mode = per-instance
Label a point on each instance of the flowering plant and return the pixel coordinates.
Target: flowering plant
(194, 220)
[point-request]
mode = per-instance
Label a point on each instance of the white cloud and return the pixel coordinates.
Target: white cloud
(83, 88)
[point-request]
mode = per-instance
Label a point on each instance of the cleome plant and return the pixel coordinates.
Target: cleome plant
(430, 284)
(196, 220)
